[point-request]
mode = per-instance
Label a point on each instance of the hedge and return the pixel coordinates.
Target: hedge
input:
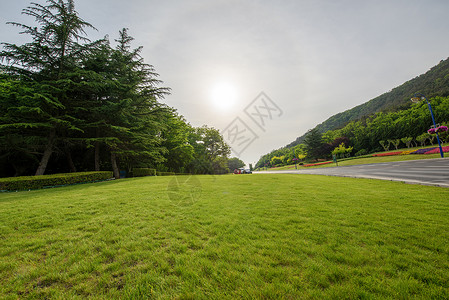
(165, 173)
(42, 181)
(139, 172)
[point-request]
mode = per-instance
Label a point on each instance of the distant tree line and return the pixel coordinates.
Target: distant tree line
(68, 104)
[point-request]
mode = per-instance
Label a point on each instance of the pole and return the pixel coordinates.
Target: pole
(334, 158)
(434, 125)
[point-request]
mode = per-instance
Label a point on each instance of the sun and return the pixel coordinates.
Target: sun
(223, 95)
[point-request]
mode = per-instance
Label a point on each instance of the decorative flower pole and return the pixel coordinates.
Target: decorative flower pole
(441, 129)
(295, 160)
(418, 97)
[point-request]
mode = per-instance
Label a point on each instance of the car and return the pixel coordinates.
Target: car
(242, 171)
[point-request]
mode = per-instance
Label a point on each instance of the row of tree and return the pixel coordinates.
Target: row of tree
(371, 134)
(282, 156)
(69, 104)
(400, 127)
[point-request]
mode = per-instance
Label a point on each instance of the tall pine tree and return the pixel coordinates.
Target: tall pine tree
(49, 62)
(129, 119)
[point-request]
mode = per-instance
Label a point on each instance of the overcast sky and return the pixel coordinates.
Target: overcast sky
(313, 59)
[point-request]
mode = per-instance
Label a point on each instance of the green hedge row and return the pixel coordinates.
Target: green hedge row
(38, 182)
(165, 173)
(139, 172)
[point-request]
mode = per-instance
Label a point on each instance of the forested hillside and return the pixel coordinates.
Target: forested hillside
(381, 131)
(433, 83)
(388, 118)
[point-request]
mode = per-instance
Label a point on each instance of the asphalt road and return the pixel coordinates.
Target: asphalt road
(425, 171)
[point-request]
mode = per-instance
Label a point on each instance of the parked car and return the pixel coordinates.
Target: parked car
(242, 171)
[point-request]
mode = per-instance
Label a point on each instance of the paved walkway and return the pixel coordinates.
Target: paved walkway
(425, 171)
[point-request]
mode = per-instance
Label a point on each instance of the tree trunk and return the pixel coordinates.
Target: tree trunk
(97, 156)
(47, 153)
(115, 169)
(68, 155)
(97, 151)
(17, 170)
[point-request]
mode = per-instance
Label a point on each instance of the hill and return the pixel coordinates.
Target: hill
(434, 82)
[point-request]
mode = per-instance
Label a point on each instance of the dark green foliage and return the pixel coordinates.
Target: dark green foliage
(41, 181)
(235, 163)
(136, 119)
(139, 172)
(388, 127)
(179, 152)
(24, 123)
(50, 66)
(314, 144)
(211, 151)
(68, 104)
(86, 106)
(361, 152)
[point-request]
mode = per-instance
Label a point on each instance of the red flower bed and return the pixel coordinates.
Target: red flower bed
(317, 164)
(437, 150)
(388, 153)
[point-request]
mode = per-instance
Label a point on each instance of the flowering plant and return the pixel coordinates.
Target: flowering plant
(436, 150)
(388, 153)
(423, 151)
(438, 129)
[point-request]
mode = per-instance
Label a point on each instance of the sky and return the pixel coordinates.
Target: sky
(265, 72)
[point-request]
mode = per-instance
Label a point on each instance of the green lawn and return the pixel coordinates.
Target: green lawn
(240, 236)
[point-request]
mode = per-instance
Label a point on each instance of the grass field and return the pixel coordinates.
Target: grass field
(240, 236)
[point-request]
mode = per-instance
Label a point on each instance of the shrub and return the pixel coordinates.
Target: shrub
(165, 173)
(139, 172)
(42, 181)
(361, 152)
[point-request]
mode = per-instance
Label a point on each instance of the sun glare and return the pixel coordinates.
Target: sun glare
(223, 96)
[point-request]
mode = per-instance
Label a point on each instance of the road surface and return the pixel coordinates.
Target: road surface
(425, 171)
